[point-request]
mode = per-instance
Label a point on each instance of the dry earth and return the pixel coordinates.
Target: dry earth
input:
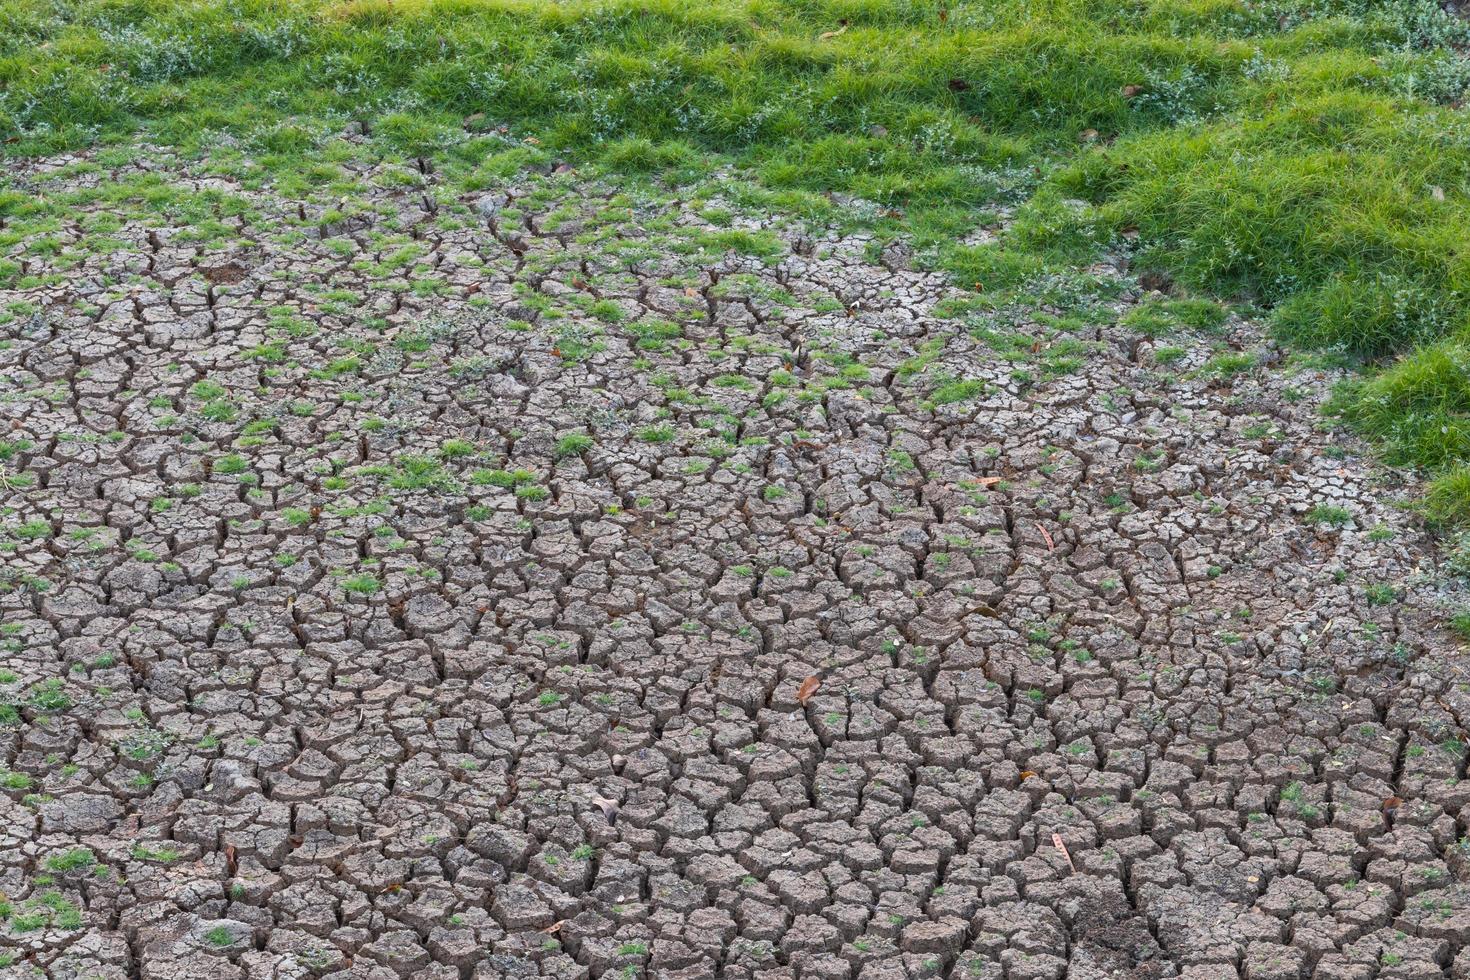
(559, 580)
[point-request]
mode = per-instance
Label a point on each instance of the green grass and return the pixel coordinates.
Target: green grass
(78, 858)
(1329, 515)
(164, 855)
(220, 937)
(1298, 158)
(1448, 500)
(573, 444)
(1168, 316)
(1460, 623)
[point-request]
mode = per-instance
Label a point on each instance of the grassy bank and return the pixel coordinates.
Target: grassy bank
(1304, 157)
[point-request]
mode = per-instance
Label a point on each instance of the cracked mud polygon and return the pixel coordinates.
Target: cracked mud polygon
(564, 580)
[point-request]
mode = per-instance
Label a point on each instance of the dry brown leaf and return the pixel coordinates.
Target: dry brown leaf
(554, 928)
(230, 859)
(1392, 803)
(807, 689)
(943, 15)
(1046, 536)
(989, 481)
(609, 808)
(1061, 845)
(1026, 774)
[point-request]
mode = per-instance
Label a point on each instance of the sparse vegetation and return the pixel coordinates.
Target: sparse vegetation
(443, 435)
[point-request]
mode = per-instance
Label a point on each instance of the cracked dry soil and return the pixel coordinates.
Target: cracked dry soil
(358, 556)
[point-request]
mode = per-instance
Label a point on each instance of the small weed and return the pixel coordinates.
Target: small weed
(573, 444)
(1330, 516)
(1380, 594)
(220, 937)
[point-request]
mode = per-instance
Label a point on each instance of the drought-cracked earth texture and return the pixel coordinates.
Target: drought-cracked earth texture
(560, 578)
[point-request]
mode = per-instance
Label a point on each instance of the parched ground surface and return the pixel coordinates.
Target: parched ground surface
(564, 580)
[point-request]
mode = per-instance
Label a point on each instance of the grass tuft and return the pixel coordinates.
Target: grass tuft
(1448, 499)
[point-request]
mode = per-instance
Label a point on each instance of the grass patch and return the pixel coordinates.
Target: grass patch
(1448, 499)
(1418, 408)
(1158, 318)
(1329, 516)
(76, 859)
(1303, 157)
